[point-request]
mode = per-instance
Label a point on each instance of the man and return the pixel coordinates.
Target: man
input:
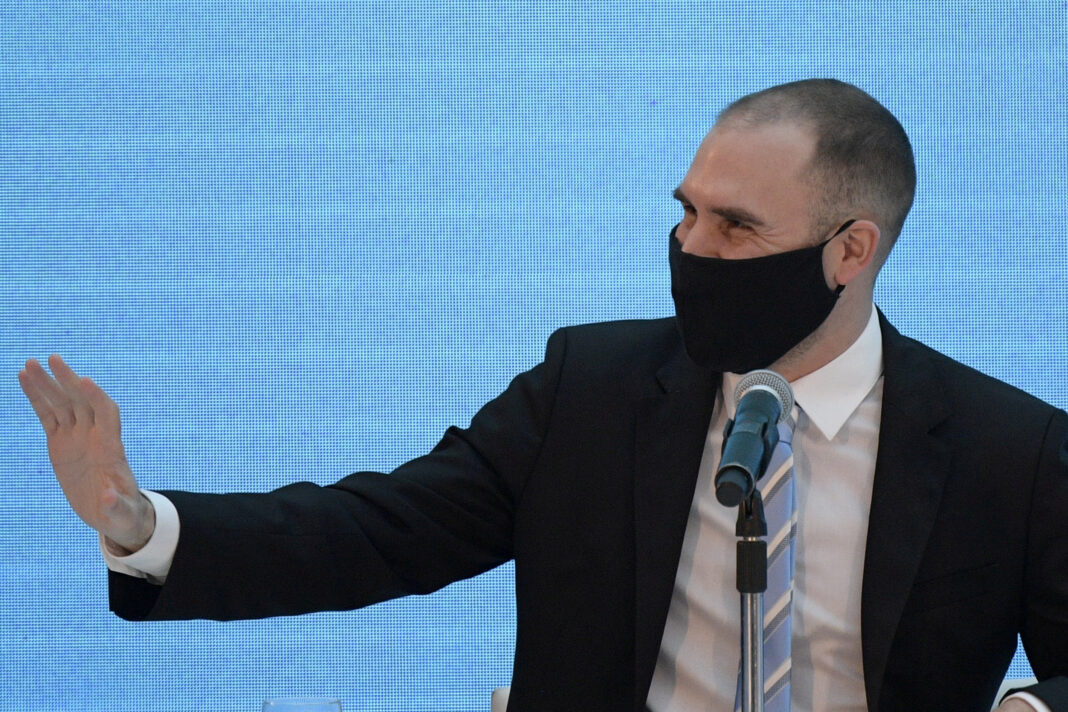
(930, 497)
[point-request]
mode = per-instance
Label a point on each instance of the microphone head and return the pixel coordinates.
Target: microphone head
(772, 382)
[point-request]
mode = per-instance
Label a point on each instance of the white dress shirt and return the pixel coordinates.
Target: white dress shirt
(835, 444)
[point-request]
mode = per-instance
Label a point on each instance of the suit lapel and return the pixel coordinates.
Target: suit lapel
(910, 472)
(672, 421)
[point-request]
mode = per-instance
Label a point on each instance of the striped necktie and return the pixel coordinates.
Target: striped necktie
(780, 509)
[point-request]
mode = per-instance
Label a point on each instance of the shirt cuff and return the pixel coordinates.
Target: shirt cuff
(1030, 699)
(153, 560)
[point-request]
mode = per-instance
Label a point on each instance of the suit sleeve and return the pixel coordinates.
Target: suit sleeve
(442, 517)
(1045, 625)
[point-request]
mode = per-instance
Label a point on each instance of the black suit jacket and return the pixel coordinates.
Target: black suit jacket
(583, 471)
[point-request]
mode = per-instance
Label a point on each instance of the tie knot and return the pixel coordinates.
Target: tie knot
(787, 425)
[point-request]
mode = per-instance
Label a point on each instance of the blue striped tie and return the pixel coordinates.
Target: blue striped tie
(780, 510)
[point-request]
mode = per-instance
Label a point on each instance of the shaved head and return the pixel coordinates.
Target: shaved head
(863, 165)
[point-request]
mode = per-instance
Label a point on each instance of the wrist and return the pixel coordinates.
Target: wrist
(143, 530)
(116, 549)
(153, 560)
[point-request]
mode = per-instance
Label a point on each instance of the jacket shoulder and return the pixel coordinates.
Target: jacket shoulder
(629, 338)
(616, 350)
(967, 390)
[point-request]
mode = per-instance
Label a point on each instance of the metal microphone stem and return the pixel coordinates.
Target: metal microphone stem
(752, 582)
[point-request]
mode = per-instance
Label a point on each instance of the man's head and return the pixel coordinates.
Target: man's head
(815, 176)
(862, 164)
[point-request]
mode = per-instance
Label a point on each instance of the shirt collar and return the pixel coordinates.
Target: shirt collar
(830, 394)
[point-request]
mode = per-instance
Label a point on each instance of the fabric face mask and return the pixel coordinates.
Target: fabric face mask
(740, 315)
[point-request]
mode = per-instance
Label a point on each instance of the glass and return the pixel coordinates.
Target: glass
(302, 704)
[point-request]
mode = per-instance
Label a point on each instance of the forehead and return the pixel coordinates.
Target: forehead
(761, 168)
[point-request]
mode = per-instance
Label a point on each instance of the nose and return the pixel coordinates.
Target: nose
(700, 239)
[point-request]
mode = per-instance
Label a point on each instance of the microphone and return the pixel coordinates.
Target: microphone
(764, 399)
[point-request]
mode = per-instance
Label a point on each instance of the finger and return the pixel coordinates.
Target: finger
(71, 384)
(40, 404)
(63, 372)
(105, 410)
(51, 392)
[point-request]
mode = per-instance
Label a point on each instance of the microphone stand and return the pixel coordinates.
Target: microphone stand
(748, 441)
(752, 582)
(752, 560)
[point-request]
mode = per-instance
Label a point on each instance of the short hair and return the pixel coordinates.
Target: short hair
(863, 159)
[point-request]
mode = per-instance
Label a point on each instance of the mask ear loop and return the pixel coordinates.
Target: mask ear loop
(845, 226)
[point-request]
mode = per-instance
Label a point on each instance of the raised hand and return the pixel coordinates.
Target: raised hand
(85, 446)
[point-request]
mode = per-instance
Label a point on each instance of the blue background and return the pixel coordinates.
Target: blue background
(295, 240)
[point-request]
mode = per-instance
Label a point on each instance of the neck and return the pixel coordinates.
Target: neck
(841, 329)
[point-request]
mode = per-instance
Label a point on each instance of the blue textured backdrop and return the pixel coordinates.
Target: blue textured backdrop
(295, 240)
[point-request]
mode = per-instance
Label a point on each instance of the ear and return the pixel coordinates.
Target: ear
(852, 252)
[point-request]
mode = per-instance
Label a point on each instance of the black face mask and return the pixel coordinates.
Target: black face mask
(740, 315)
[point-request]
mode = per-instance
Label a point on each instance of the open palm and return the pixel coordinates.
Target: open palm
(85, 446)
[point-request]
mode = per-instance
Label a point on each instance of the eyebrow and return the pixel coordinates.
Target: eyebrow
(730, 213)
